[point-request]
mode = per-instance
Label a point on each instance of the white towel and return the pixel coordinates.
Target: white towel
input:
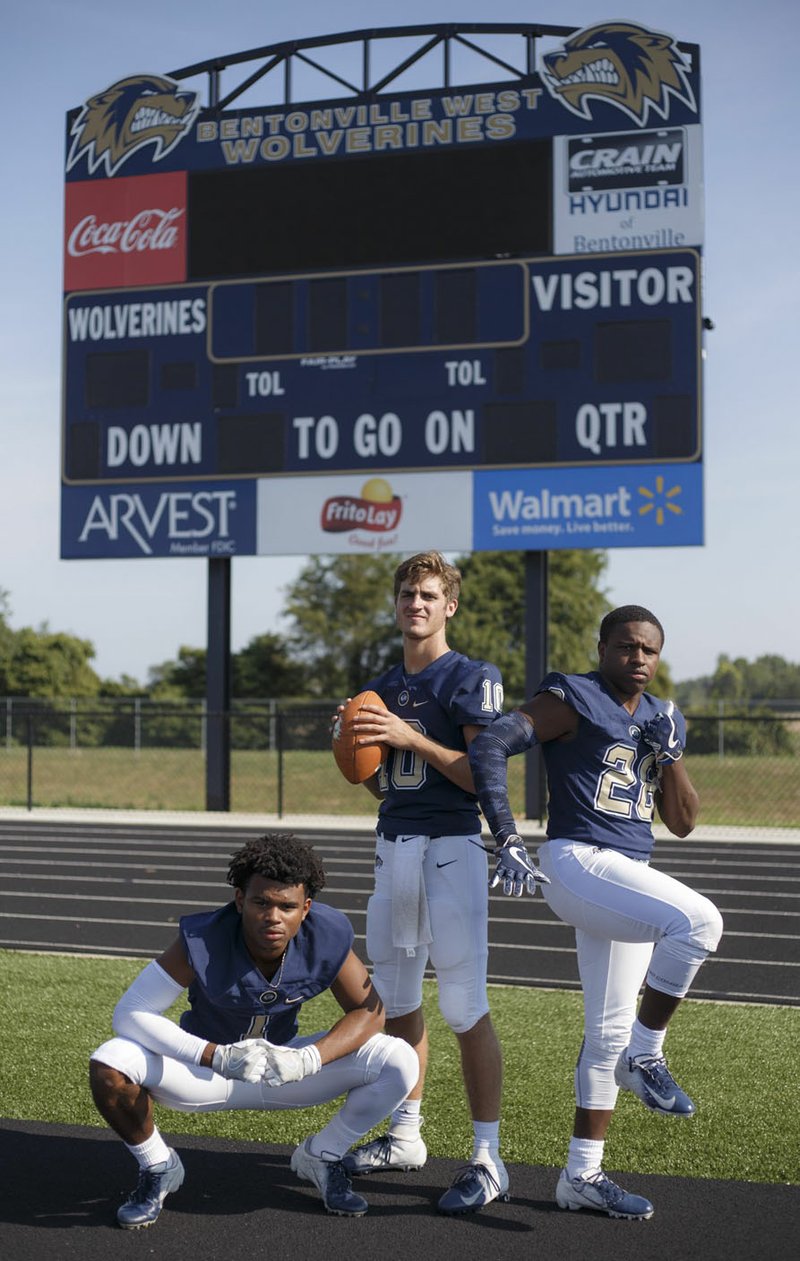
(411, 924)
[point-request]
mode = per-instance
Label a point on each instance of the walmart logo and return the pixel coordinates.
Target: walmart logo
(660, 501)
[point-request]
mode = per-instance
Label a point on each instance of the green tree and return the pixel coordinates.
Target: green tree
(50, 665)
(728, 682)
(183, 678)
(741, 682)
(6, 642)
(342, 614)
(490, 622)
(344, 629)
(264, 668)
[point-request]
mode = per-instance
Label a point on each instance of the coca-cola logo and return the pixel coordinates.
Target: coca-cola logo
(150, 229)
(127, 231)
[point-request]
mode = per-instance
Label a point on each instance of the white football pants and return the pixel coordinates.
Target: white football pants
(375, 1078)
(455, 872)
(632, 923)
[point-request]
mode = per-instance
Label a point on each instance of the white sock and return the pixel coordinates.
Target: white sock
(486, 1143)
(153, 1151)
(406, 1120)
(645, 1041)
(334, 1140)
(585, 1156)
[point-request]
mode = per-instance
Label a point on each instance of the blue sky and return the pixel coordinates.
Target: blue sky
(737, 595)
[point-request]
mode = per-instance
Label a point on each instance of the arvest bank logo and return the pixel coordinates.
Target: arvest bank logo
(143, 109)
(627, 66)
(169, 519)
(377, 510)
(129, 231)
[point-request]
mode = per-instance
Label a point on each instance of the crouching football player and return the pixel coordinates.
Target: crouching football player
(249, 966)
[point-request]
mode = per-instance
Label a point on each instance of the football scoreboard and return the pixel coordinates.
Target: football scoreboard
(469, 316)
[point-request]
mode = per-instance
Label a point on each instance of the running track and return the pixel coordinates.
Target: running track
(110, 887)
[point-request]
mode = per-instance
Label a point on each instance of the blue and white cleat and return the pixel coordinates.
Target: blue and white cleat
(652, 1082)
(386, 1153)
(331, 1179)
(145, 1202)
(473, 1187)
(598, 1192)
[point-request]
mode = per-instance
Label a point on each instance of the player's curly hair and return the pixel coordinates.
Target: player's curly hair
(429, 565)
(277, 856)
(628, 613)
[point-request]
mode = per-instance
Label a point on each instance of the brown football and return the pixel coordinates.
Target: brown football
(357, 762)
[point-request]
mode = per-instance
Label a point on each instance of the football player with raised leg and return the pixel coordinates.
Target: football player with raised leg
(612, 752)
(249, 966)
(430, 899)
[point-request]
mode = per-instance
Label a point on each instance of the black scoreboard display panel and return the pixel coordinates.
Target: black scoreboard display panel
(515, 361)
(499, 276)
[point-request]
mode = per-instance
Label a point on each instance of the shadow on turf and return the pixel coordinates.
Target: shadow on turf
(55, 1182)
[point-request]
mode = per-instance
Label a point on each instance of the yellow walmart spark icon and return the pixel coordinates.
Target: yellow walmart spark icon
(660, 500)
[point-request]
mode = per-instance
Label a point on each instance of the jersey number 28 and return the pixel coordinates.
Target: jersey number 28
(614, 796)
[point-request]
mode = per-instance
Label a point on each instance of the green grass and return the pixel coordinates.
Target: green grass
(746, 1127)
(737, 791)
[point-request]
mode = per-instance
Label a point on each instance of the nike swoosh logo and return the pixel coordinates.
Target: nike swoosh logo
(447, 864)
(663, 1103)
(295, 1000)
(417, 704)
(472, 1199)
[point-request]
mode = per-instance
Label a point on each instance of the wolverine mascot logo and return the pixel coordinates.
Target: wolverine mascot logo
(143, 109)
(625, 65)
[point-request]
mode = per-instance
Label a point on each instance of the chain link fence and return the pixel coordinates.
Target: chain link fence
(139, 755)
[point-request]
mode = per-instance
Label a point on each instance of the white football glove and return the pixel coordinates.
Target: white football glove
(515, 869)
(241, 1061)
(662, 734)
(288, 1063)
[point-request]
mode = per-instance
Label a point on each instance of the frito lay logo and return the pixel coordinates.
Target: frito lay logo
(628, 66)
(377, 510)
(143, 109)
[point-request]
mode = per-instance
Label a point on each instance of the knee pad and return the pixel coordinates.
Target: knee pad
(595, 1086)
(125, 1056)
(460, 966)
(404, 1061)
(710, 930)
(462, 1004)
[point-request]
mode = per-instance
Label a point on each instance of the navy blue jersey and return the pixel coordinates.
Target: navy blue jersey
(231, 1000)
(603, 779)
(452, 692)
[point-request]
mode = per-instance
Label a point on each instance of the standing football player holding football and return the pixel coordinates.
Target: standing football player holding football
(612, 752)
(249, 966)
(430, 899)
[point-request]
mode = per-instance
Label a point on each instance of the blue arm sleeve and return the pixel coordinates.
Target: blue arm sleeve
(488, 758)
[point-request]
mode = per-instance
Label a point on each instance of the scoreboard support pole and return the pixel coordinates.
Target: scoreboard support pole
(218, 686)
(535, 670)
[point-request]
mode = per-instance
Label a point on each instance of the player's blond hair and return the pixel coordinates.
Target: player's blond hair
(428, 565)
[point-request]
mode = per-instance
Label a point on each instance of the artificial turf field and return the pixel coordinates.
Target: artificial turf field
(724, 1183)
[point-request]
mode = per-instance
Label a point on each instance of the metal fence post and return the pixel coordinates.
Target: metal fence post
(280, 730)
(30, 759)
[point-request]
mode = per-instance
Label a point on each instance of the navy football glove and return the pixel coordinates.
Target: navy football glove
(515, 869)
(662, 734)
